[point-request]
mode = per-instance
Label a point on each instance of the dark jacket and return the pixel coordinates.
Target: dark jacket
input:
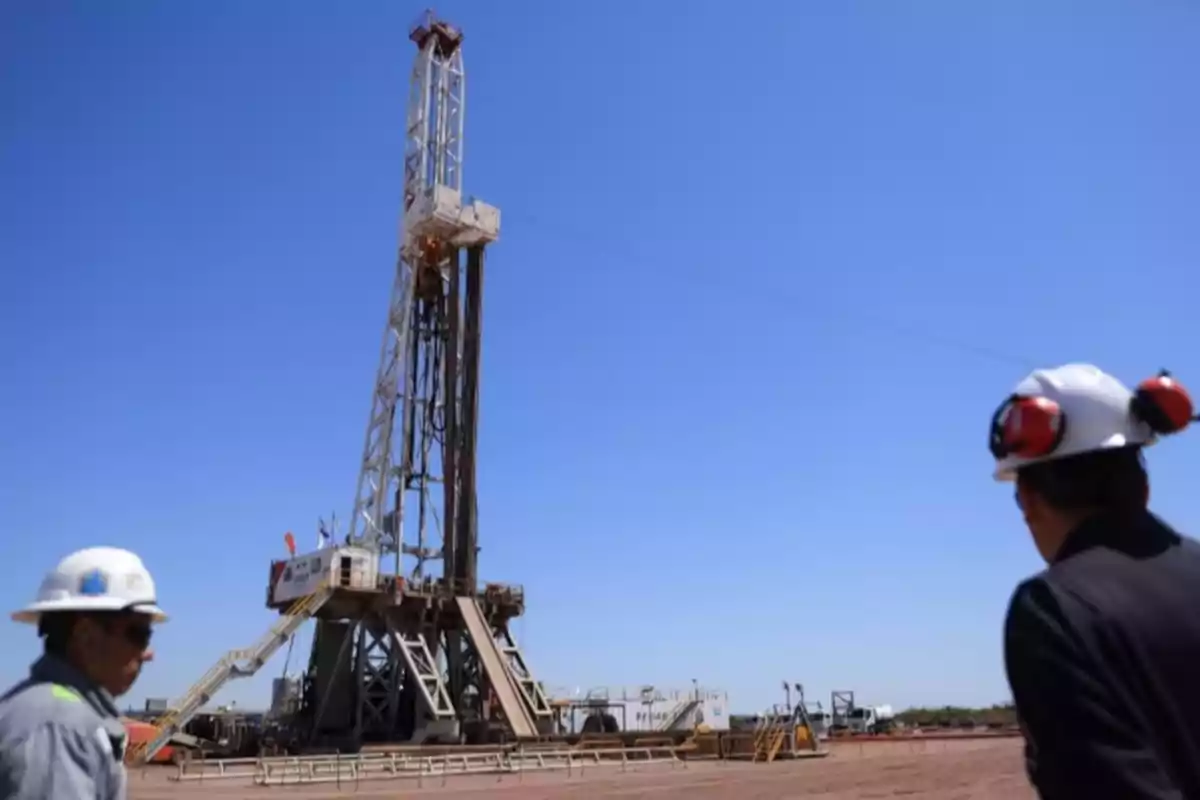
(1103, 656)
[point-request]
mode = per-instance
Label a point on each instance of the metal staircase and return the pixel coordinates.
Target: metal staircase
(234, 664)
(769, 737)
(678, 713)
(531, 691)
(504, 683)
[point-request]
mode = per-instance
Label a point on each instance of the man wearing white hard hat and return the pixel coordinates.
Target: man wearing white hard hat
(61, 735)
(1102, 648)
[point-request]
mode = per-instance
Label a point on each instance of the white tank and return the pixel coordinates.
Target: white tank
(648, 708)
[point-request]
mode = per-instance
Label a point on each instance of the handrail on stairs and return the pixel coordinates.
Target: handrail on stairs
(769, 735)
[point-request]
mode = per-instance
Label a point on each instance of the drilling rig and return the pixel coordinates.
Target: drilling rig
(407, 645)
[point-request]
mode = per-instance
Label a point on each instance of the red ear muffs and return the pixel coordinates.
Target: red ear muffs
(1026, 427)
(1162, 403)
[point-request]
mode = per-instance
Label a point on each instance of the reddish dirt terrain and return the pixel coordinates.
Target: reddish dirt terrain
(937, 770)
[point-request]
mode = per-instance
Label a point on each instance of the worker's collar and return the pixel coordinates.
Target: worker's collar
(1141, 534)
(52, 669)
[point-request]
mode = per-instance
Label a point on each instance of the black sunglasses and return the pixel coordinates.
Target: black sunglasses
(137, 633)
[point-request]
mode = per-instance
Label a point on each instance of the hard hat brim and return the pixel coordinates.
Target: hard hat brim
(151, 610)
(1006, 470)
(32, 613)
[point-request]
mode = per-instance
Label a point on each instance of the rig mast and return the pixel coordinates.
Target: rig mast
(430, 655)
(421, 430)
(427, 654)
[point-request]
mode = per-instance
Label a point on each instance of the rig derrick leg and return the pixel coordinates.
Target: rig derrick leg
(453, 464)
(326, 680)
(384, 684)
(378, 674)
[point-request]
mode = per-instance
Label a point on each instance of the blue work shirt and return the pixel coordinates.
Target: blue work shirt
(60, 737)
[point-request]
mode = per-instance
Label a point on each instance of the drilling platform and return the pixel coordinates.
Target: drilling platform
(407, 645)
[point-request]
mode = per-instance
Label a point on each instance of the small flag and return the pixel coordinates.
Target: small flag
(290, 541)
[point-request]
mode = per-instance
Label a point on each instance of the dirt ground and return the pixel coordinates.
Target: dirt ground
(937, 770)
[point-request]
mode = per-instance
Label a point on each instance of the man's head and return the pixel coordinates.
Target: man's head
(1072, 438)
(1056, 495)
(95, 611)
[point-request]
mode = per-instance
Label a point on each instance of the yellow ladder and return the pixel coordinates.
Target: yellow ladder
(776, 744)
(768, 739)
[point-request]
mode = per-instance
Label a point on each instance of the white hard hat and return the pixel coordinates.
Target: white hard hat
(1097, 411)
(96, 579)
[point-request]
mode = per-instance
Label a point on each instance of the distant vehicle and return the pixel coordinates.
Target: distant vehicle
(871, 719)
(822, 722)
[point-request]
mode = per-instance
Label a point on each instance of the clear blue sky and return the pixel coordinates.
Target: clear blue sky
(765, 272)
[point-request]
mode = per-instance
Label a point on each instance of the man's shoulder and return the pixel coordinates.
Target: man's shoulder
(1115, 582)
(1043, 614)
(33, 705)
(1036, 593)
